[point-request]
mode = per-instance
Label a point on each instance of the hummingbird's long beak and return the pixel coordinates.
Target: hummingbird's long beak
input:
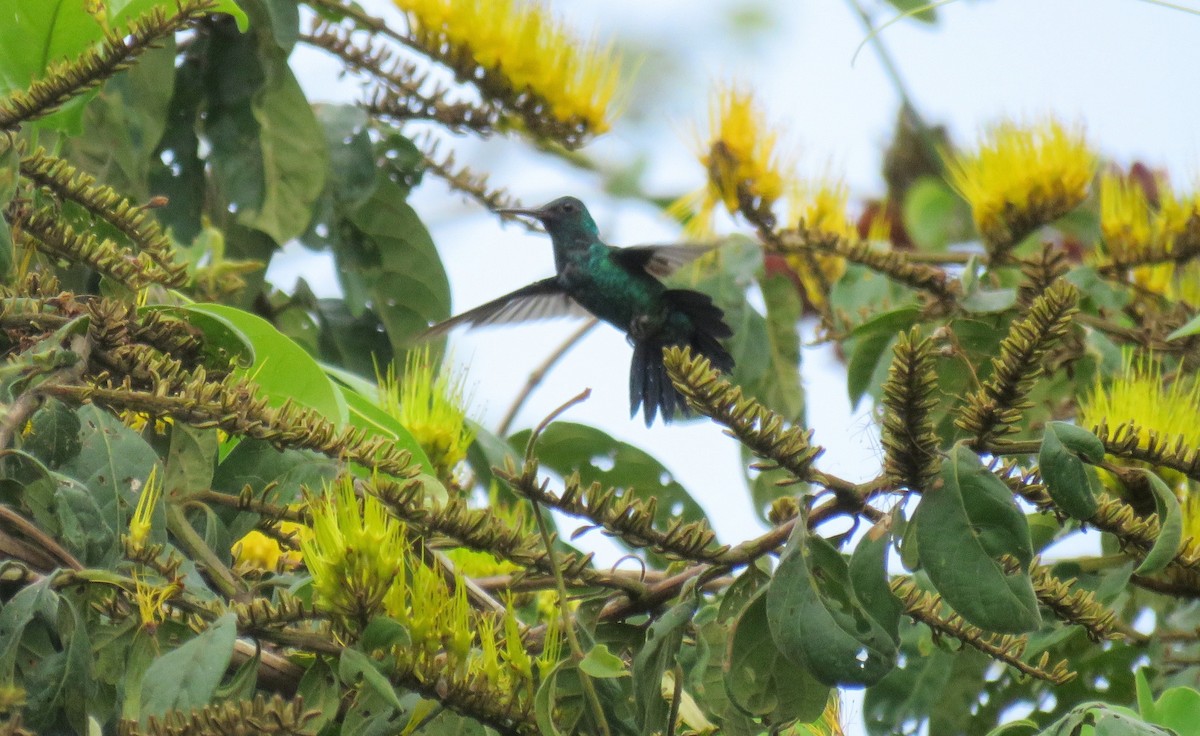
(536, 213)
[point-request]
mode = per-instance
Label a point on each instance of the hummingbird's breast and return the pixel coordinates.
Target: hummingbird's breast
(612, 293)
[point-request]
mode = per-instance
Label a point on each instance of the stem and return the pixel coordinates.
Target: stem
(539, 374)
(564, 607)
(195, 546)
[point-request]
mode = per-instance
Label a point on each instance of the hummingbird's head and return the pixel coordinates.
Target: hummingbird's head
(564, 216)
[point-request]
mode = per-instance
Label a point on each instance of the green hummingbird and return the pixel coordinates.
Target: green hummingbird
(620, 286)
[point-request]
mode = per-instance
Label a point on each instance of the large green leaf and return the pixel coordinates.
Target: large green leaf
(963, 525)
(759, 680)
(268, 150)
(389, 259)
(818, 621)
(186, 678)
(1170, 519)
(283, 369)
(1067, 481)
(113, 463)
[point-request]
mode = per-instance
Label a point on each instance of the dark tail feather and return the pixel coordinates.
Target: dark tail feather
(650, 387)
(709, 326)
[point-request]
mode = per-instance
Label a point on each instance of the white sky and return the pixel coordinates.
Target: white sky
(1125, 68)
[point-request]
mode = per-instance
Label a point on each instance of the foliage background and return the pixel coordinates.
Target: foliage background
(629, 178)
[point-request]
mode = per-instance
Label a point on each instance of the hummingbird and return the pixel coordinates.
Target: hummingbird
(620, 286)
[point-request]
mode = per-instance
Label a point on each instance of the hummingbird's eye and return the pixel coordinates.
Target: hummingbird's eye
(568, 207)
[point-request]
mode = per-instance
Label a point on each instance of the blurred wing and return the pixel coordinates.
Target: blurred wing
(540, 300)
(660, 261)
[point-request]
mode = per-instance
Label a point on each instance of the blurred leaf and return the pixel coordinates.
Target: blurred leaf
(760, 681)
(190, 462)
(963, 525)
(934, 215)
(921, 10)
(356, 343)
(1104, 720)
(256, 464)
(35, 602)
(186, 678)
(125, 122)
(786, 392)
(1191, 328)
(868, 578)
(281, 368)
(10, 164)
(1170, 519)
(817, 620)
(320, 690)
(355, 667)
(600, 662)
(1063, 472)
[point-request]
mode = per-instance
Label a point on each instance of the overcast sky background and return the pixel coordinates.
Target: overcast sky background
(1126, 69)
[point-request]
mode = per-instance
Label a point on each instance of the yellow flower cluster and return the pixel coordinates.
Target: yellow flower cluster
(741, 158)
(259, 551)
(823, 207)
(364, 565)
(1023, 177)
(1140, 395)
(431, 408)
(521, 42)
(1134, 230)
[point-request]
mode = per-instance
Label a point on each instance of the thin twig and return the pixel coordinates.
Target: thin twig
(539, 374)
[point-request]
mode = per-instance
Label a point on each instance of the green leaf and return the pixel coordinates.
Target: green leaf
(354, 666)
(921, 10)
(1067, 481)
(785, 392)
(35, 602)
(53, 434)
(1177, 709)
(190, 461)
(819, 623)
(113, 463)
(1170, 519)
(869, 579)
(367, 416)
(260, 466)
(758, 679)
(1102, 719)
(869, 343)
(186, 678)
(934, 216)
(391, 257)
(268, 150)
(10, 173)
(36, 34)
(965, 523)
(1191, 328)
(283, 369)
(656, 656)
(224, 343)
(989, 301)
(384, 633)
(321, 693)
(600, 662)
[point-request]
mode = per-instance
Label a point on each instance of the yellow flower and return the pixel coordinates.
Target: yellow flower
(355, 552)
(1139, 395)
(151, 601)
(519, 55)
(139, 524)
(1125, 216)
(260, 551)
(1177, 230)
(820, 207)
(431, 407)
(741, 158)
(1022, 178)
